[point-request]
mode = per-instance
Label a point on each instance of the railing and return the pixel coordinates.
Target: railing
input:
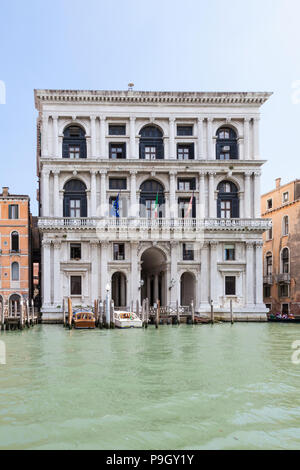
(268, 279)
(283, 277)
(105, 223)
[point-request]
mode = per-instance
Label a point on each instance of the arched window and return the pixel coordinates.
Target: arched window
(151, 143)
(74, 143)
(15, 274)
(152, 199)
(228, 200)
(226, 146)
(285, 261)
(285, 225)
(75, 204)
(269, 264)
(15, 241)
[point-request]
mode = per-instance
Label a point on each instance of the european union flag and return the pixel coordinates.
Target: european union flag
(116, 206)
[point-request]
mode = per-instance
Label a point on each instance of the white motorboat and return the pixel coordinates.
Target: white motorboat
(125, 319)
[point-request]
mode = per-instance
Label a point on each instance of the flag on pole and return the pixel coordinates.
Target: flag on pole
(190, 207)
(156, 207)
(116, 206)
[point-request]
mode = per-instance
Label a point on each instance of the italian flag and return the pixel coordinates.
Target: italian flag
(156, 207)
(190, 207)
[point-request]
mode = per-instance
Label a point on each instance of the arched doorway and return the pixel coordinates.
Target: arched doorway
(152, 199)
(187, 289)
(119, 289)
(154, 276)
(15, 305)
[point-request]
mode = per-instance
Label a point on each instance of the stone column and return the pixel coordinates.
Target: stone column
(103, 150)
(55, 136)
(204, 287)
(44, 149)
(247, 199)
(173, 205)
(46, 258)
(246, 138)
(249, 273)
(95, 271)
(201, 155)
(93, 136)
(259, 273)
(149, 288)
(155, 287)
(45, 192)
(132, 138)
(172, 147)
(201, 201)
(211, 195)
(257, 194)
(133, 199)
(56, 274)
(103, 204)
(56, 194)
(256, 155)
(174, 258)
(104, 277)
(210, 139)
(213, 272)
(93, 194)
(135, 274)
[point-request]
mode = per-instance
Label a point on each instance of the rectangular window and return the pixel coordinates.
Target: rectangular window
(117, 129)
(226, 209)
(75, 249)
(75, 208)
(117, 183)
(230, 285)
(185, 152)
(285, 197)
(150, 153)
(119, 251)
(184, 130)
(75, 285)
(269, 234)
(229, 252)
(186, 184)
(117, 151)
(188, 252)
(74, 151)
(267, 291)
(285, 309)
(13, 211)
(150, 209)
(269, 306)
(225, 152)
(283, 290)
(269, 204)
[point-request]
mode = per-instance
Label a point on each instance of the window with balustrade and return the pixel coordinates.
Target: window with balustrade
(75, 200)
(228, 200)
(226, 144)
(74, 143)
(151, 143)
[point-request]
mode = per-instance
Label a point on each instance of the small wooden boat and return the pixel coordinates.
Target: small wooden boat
(283, 317)
(84, 319)
(127, 320)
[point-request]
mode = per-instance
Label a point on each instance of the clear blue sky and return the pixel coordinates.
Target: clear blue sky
(199, 45)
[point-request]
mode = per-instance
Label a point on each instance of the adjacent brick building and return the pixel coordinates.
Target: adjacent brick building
(15, 250)
(282, 248)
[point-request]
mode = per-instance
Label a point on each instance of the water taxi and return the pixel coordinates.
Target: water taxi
(127, 320)
(84, 319)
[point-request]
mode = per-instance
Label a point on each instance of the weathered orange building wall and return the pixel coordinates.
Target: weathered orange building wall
(279, 209)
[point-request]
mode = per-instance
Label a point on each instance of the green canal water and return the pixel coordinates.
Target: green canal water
(201, 387)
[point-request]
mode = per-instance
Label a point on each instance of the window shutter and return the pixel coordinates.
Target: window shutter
(235, 208)
(66, 206)
(194, 208)
(65, 150)
(219, 207)
(192, 153)
(83, 207)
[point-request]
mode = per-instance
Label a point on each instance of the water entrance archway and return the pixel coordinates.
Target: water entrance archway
(154, 276)
(187, 288)
(119, 289)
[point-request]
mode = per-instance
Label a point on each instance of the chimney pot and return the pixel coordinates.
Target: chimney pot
(278, 183)
(5, 191)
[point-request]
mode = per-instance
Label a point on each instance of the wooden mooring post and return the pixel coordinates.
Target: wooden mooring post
(177, 312)
(147, 313)
(157, 313)
(2, 323)
(193, 312)
(100, 314)
(22, 308)
(212, 316)
(231, 312)
(70, 314)
(112, 314)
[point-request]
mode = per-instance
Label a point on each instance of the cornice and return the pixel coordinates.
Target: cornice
(152, 97)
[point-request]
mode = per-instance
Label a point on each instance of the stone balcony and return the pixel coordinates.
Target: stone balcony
(283, 277)
(140, 224)
(268, 279)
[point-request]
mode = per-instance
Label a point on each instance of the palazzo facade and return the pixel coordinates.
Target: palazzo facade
(151, 195)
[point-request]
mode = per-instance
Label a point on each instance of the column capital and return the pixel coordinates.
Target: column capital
(249, 244)
(94, 243)
(45, 172)
(56, 172)
(103, 173)
(248, 173)
(132, 118)
(57, 244)
(210, 119)
(228, 120)
(213, 244)
(172, 119)
(257, 173)
(173, 173)
(259, 244)
(46, 243)
(200, 119)
(256, 118)
(93, 172)
(133, 173)
(93, 117)
(55, 117)
(102, 117)
(202, 173)
(212, 173)
(247, 119)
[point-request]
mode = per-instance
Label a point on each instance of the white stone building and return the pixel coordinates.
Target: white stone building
(186, 170)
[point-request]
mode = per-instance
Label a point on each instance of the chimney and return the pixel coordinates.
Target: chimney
(5, 191)
(278, 182)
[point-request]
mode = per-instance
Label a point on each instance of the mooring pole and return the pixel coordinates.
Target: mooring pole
(21, 315)
(101, 314)
(2, 315)
(231, 312)
(137, 308)
(212, 318)
(177, 312)
(147, 313)
(193, 312)
(112, 314)
(70, 313)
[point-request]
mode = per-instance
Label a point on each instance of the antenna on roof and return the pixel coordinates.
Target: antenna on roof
(130, 86)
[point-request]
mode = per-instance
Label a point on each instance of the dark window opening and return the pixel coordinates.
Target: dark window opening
(15, 241)
(228, 200)
(230, 285)
(13, 211)
(229, 252)
(117, 151)
(269, 265)
(117, 129)
(285, 261)
(150, 191)
(75, 201)
(267, 291)
(15, 272)
(119, 251)
(74, 143)
(283, 290)
(117, 183)
(185, 151)
(186, 184)
(226, 146)
(75, 249)
(185, 209)
(285, 309)
(269, 204)
(188, 252)
(184, 130)
(75, 285)
(151, 143)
